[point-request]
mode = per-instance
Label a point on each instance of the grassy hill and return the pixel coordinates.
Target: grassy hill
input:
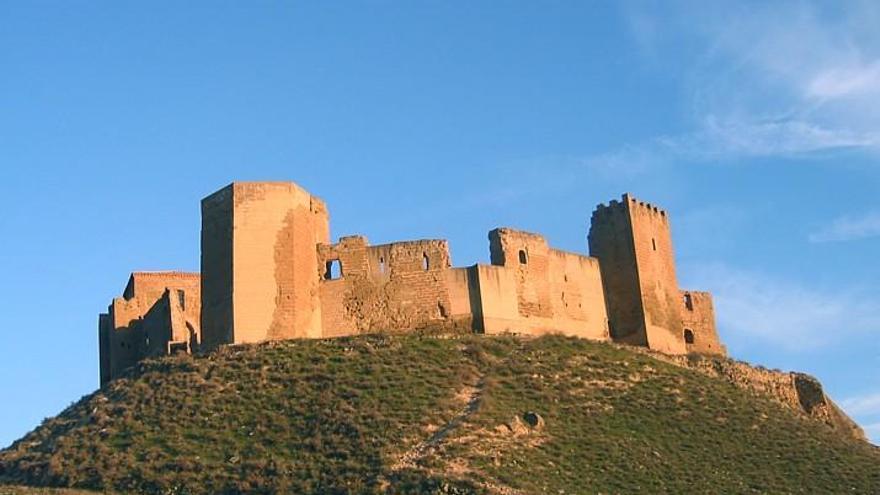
(419, 414)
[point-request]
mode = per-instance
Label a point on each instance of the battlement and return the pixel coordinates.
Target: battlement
(270, 272)
(628, 204)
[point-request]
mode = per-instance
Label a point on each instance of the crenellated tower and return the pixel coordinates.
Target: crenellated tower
(633, 242)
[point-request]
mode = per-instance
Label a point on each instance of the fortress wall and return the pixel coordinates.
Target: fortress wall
(397, 286)
(259, 238)
(150, 286)
(459, 288)
(698, 315)
(104, 330)
(661, 300)
(126, 334)
(216, 267)
(497, 310)
(529, 256)
(611, 241)
(578, 299)
(556, 291)
(633, 242)
(274, 239)
(139, 324)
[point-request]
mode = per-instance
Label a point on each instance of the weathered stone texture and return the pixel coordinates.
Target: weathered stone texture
(269, 272)
(698, 318)
(158, 313)
(556, 291)
(797, 391)
(633, 242)
(258, 254)
(393, 287)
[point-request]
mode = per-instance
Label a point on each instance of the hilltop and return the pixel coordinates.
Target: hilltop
(454, 414)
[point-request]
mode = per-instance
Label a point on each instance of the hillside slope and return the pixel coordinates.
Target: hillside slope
(382, 414)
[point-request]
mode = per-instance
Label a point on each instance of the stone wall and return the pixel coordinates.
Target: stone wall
(156, 311)
(258, 255)
(800, 392)
(611, 241)
(556, 291)
(698, 320)
(633, 242)
(269, 272)
(391, 287)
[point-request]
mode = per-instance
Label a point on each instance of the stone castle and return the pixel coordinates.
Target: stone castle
(270, 272)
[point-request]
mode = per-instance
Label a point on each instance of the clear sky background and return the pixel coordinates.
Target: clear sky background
(756, 126)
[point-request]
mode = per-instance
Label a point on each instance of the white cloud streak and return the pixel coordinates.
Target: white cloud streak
(752, 307)
(770, 79)
(849, 228)
(863, 405)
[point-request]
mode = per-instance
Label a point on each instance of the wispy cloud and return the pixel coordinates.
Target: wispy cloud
(839, 82)
(849, 228)
(770, 79)
(754, 307)
(866, 410)
(862, 405)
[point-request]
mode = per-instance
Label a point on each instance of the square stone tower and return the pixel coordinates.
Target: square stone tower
(633, 242)
(259, 263)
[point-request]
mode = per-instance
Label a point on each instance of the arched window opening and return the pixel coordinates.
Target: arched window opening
(425, 264)
(523, 257)
(333, 271)
(688, 336)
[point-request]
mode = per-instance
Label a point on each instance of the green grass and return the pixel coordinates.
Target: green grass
(336, 416)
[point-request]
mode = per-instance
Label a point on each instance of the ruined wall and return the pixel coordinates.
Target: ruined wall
(258, 259)
(397, 286)
(139, 323)
(556, 291)
(698, 322)
(800, 392)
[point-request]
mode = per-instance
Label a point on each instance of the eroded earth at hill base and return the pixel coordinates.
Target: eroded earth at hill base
(447, 414)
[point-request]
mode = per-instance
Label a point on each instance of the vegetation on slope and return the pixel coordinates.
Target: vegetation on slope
(417, 414)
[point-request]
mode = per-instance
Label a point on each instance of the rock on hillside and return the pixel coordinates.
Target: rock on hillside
(418, 414)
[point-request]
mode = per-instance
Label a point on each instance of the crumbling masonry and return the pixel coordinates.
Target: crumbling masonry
(270, 272)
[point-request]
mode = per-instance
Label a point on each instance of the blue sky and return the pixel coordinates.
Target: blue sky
(756, 126)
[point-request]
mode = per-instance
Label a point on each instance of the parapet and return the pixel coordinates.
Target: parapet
(158, 281)
(628, 203)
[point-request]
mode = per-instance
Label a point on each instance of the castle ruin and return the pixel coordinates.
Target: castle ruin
(270, 272)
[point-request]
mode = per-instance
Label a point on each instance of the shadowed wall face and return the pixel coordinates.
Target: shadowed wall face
(216, 266)
(157, 310)
(611, 241)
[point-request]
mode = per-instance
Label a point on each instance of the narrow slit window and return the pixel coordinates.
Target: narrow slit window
(425, 263)
(181, 298)
(688, 302)
(382, 265)
(334, 270)
(523, 257)
(654, 244)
